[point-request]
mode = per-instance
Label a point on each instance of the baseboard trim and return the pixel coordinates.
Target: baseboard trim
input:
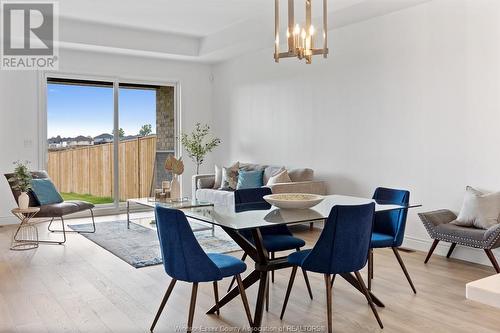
(461, 252)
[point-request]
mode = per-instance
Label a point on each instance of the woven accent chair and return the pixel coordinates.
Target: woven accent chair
(439, 228)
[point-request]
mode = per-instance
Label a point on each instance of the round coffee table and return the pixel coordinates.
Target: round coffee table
(26, 235)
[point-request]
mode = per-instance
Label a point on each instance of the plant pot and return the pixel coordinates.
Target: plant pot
(23, 200)
(175, 188)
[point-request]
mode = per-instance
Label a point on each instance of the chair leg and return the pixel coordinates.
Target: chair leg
(328, 284)
(306, 279)
(78, 232)
(163, 302)
(311, 226)
(333, 279)
(433, 246)
(370, 269)
(272, 272)
(267, 293)
(234, 278)
(244, 299)
(192, 306)
(401, 263)
(216, 295)
(450, 251)
(493, 260)
(308, 285)
(368, 298)
(288, 290)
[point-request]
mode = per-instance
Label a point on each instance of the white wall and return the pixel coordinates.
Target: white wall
(19, 104)
(407, 100)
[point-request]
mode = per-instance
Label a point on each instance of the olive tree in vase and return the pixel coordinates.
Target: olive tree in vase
(198, 144)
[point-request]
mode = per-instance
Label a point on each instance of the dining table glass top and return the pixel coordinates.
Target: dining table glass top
(227, 217)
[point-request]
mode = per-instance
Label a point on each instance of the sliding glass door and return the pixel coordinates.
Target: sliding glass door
(107, 141)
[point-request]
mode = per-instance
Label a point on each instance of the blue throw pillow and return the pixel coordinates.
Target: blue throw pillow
(45, 192)
(250, 179)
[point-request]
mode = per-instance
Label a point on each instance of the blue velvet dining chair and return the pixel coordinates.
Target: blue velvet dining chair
(389, 228)
(342, 248)
(185, 260)
(275, 238)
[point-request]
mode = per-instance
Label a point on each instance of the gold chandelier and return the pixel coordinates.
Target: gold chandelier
(300, 39)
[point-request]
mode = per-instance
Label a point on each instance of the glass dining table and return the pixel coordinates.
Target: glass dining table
(252, 219)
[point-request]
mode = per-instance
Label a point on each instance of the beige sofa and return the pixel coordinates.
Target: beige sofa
(302, 182)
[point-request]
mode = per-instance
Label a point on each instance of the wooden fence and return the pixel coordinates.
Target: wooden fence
(89, 170)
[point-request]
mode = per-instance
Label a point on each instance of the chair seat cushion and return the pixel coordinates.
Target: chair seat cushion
(275, 243)
(228, 265)
(468, 236)
(64, 208)
(381, 240)
(297, 258)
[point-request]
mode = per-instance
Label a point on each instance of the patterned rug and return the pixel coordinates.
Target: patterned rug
(139, 246)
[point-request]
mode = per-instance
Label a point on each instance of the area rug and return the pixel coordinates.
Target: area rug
(139, 245)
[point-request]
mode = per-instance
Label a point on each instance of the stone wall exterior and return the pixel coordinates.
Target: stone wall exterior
(165, 125)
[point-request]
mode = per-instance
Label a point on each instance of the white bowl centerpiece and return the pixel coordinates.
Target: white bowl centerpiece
(294, 200)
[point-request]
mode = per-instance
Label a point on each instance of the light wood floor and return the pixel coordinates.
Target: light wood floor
(80, 287)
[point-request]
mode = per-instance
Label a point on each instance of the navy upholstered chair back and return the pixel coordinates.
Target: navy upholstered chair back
(183, 257)
(393, 222)
(344, 242)
(252, 199)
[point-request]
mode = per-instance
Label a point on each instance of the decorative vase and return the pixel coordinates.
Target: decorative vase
(175, 188)
(23, 200)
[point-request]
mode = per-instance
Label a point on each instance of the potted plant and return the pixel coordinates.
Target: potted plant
(196, 146)
(176, 167)
(22, 182)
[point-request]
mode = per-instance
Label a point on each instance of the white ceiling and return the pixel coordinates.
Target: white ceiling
(197, 30)
(191, 17)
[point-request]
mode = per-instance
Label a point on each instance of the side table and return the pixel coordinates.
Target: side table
(26, 235)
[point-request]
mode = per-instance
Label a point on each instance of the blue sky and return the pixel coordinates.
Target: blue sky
(85, 110)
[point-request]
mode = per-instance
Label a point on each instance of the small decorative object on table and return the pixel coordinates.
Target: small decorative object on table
(294, 200)
(26, 235)
(176, 167)
(22, 181)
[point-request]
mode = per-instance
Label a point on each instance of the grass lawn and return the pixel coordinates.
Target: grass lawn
(87, 197)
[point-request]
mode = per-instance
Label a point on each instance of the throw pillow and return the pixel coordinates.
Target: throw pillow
(281, 177)
(272, 171)
(229, 178)
(479, 210)
(45, 192)
(218, 174)
(250, 179)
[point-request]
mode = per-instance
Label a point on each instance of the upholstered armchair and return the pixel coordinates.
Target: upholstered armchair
(57, 210)
(439, 228)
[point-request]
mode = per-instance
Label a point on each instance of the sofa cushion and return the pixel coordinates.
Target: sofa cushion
(249, 179)
(252, 166)
(479, 210)
(280, 178)
(271, 171)
(218, 174)
(229, 179)
(217, 197)
(207, 182)
(301, 175)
